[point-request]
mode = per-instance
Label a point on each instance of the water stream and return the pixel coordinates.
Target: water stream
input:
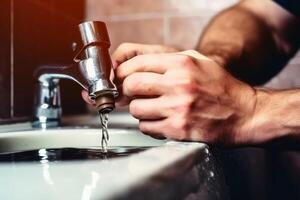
(105, 136)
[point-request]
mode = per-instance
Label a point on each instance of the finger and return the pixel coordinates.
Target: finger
(149, 109)
(143, 84)
(153, 128)
(122, 101)
(124, 52)
(87, 98)
(157, 63)
(127, 51)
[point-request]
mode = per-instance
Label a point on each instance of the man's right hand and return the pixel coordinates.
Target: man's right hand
(185, 96)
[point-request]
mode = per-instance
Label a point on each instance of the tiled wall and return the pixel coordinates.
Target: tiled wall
(35, 33)
(171, 22)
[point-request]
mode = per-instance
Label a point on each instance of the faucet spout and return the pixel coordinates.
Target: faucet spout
(95, 63)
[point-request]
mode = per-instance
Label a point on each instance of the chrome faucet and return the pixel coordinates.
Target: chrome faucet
(92, 70)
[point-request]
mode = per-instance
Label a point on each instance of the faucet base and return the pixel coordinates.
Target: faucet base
(47, 124)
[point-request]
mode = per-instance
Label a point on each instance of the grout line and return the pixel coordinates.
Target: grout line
(12, 59)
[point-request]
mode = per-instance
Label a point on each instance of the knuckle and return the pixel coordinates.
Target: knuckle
(143, 127)
(184, 105)
(192, 51)
(187, 105)
(128, 87)
(124, 46)
(190, 103)
(134, 109)
(124, 52)
(186, 61)
(181, 125)
(189, 86)
(120, 73)
(189, 99)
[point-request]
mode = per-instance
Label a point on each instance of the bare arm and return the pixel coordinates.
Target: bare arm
(276, 116)
(253, 39)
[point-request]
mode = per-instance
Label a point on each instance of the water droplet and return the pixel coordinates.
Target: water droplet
(206, 150)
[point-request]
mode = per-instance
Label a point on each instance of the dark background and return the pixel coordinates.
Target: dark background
(38, 32)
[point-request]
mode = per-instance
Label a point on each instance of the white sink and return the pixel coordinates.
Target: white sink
(170, 170)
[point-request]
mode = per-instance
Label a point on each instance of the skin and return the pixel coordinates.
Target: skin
(208, 95)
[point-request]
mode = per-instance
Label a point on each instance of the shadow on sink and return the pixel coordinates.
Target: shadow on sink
(71, 144)
(68, 154)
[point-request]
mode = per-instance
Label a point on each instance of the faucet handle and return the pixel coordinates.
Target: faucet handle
(93, 33)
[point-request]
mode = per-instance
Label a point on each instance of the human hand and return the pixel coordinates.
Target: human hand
(187, 96)
(124, 52)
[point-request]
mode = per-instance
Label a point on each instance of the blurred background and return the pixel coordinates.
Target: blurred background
(43, 32)
(177, 23)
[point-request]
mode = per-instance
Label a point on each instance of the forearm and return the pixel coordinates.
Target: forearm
(277, 115)
(246, 43)
(227, 37)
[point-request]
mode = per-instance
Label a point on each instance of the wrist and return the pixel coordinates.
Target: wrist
(273, 117)
(225, 54)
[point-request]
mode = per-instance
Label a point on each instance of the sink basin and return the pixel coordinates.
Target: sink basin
(72, 138)
(169, 170)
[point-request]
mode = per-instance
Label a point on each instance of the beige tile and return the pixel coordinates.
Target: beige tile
(140, 31)
(185, 31)
(201, 7)
(296, 59)
(97, 8)
(287, 78)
